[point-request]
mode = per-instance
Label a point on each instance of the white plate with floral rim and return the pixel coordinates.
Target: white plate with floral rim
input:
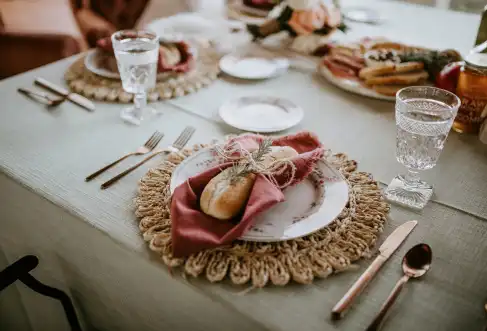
(92, 63)
(261, 114)
(309, 206)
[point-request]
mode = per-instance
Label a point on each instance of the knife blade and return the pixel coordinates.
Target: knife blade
(389, 246)
(73, 97)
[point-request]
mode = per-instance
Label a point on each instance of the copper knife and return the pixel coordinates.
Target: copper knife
(73, 97)
(391, 243)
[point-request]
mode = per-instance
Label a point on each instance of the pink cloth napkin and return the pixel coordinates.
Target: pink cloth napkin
(193, 230)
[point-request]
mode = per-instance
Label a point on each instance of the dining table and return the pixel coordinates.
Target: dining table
(89, 244)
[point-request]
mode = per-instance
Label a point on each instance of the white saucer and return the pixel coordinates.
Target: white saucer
(253, 67)
(261, 114)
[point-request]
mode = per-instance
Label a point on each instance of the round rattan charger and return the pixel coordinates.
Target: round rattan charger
(332, 249)
(205, 71)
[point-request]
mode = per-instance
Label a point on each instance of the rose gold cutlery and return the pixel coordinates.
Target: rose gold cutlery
(46, 98)
(73, 97)
(386, 249)
(148, 146)
(415, 264)
(178, 144)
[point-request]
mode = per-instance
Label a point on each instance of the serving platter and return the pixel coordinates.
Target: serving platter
(352, 85)
(309, 206)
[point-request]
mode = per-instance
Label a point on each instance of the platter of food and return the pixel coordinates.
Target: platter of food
(378, 68)
(308, 207)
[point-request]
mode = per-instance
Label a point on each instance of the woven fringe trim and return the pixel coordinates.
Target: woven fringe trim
(83, 81)
(332, 249)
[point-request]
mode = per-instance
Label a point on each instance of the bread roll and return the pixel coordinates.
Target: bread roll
(279, 153)
(223, 198)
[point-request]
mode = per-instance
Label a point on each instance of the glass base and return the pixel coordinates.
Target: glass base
(135, 116)
(403, 193)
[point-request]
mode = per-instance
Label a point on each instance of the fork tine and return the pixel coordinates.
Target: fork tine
(181, 136)
(148, 142)
(157, 140)
(188, 133)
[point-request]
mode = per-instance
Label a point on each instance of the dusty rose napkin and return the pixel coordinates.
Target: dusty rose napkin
(186, 63)
(193, 230)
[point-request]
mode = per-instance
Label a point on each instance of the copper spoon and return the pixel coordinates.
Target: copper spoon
(415, 264)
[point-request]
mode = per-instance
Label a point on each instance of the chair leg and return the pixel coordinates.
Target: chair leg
(20, 269)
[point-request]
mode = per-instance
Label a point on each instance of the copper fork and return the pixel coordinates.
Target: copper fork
(47, 99)
(148, 146)
(178, 145)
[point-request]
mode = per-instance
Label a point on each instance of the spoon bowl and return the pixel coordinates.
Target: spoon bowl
(417, 261)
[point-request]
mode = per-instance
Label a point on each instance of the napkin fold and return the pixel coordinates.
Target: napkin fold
(193, 231)
(186, 63)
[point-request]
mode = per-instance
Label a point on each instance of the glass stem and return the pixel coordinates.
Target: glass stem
(140, 102)
(411, 178)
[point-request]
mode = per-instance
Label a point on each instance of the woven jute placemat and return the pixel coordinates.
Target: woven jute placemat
(85, 82)
(332, 249)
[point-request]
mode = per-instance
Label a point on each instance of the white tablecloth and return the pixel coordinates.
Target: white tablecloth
(89, 244)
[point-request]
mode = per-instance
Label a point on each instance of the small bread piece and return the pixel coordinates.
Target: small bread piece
(387, 45)
(390, 68)
(172, 56)
(223, 198)
(401, 79)
(279, 153)
(389, 90)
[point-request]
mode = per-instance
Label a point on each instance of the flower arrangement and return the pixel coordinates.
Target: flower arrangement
(301, 18)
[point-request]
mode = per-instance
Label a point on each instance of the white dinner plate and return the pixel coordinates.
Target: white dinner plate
(309, 206)
(245, 67)
(351, 85)
(261, 114)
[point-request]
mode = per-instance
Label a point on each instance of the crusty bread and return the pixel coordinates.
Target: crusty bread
(401, 78)
(389, 90)
(172, 55)
(387, 45)
(390, 68)
(279, 153)
(223, 198)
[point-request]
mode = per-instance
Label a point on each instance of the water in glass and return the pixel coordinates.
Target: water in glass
(137, 64)
(421, 132)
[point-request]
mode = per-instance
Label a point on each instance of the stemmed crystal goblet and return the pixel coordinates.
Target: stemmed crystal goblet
(137, 54)
(424, 116)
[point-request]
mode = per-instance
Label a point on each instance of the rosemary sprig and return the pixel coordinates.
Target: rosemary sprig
(243, 168)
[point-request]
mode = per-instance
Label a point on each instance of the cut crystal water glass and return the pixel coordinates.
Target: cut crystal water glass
(137, 54)
(424, 116)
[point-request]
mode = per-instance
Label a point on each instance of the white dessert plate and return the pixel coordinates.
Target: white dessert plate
(310, 205)
(253, 67)
(353, 86)
(261, 114)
